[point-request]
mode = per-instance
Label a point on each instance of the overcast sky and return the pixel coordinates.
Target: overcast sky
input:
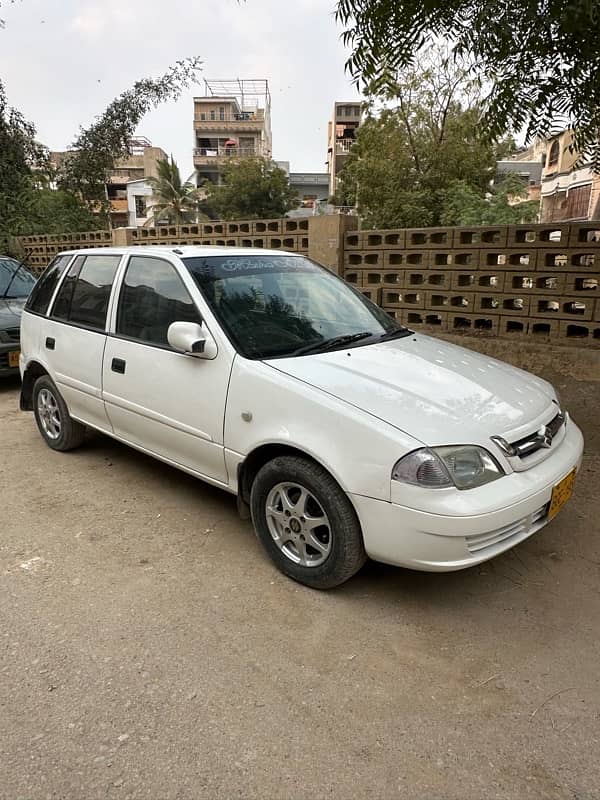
(63, 61)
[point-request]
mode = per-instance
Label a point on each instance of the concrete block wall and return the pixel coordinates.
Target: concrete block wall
(540, 282)
(290, 235)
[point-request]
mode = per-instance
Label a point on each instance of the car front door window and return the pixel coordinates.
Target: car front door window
(152, 297)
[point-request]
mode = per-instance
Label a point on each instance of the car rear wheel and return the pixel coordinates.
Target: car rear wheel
(59, 430)
(306, 523)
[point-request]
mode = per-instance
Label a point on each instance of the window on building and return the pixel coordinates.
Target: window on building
(140, 205)
(203, 116)
(221, 113)
(152, 297)
(91, 293)
(42, 292)
(213, 115)
(553, 154)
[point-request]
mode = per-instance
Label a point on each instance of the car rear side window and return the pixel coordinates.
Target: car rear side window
(152, 297)
(42, 292)
(89, 302)
(62, 304)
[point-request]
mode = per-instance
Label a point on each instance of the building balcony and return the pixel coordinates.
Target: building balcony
(207, 155)
(118, 206)
(343, 146)
(238, 116)
(234, 123)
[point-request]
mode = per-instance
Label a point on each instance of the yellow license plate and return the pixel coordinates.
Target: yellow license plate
(561, 494)
(13, 358)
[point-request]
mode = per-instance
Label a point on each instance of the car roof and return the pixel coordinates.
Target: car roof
(183, 251)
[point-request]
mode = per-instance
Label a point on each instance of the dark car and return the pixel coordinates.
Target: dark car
(16, 282)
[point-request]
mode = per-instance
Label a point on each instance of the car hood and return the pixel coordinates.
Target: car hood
(10, 312)
(436, 392)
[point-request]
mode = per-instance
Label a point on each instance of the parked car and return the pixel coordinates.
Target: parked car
(16, 282)
(343, 433)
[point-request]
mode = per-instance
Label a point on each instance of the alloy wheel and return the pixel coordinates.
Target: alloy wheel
(49, 414)
(298, 524)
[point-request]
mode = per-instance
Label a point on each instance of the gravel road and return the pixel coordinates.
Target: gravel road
(149, 650)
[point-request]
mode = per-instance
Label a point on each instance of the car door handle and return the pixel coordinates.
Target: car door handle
(118, 365)
(50, 343)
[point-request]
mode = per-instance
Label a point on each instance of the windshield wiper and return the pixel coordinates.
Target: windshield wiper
(329, 344)
(399, 333)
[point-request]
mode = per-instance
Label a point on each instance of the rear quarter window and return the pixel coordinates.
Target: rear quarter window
(42, 292)
(91, 293)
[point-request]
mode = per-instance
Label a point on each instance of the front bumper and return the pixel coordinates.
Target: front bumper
(433, 542)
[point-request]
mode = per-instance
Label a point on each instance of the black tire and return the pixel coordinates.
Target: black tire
(342, 535)
(68, 433)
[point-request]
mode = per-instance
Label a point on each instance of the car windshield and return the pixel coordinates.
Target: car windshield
(15, 279)
(275, 306)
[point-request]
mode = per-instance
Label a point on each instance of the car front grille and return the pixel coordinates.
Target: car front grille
(3, 360)
(14, 334)
(533, 442)
(481, 543)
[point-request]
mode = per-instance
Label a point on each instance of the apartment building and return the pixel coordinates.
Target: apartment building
(140, 163)
(570, 188)
(341, 133)
(232, 120)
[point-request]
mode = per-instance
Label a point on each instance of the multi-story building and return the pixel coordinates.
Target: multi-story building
(232, 120)
(341, 133)
(140, 163)
(570, 187)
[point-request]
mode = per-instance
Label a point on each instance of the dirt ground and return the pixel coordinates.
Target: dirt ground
(149, 650)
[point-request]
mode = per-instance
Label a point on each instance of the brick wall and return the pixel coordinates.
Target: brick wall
(536, 281)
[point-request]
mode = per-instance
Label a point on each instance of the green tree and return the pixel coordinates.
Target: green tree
(407, 153)
(539, 58)
(173, 199)
(252, 188)
(87, 168)
(46, 210)
(24, 165)
(462, 204)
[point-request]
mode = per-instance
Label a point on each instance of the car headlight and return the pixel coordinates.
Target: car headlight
(463, 466)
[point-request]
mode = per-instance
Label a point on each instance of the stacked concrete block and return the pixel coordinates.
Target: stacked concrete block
(480, 237)
(538, 280)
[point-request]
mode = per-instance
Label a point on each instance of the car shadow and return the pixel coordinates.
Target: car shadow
(187, 487)
(11, 383)
(510, 572)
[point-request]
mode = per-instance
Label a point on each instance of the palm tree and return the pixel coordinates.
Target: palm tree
(172, 198)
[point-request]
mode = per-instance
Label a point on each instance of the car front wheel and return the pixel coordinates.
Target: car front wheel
(59, 430)
(306, 523)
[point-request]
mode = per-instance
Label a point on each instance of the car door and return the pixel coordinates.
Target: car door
(163, 401)
(74, 335)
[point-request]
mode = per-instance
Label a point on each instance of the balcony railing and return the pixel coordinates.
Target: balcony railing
(342, 146)
(226, 152)
(245, 116)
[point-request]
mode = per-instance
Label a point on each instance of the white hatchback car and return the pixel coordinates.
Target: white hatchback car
(345, 434)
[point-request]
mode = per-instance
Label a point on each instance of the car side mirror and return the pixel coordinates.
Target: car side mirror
(192, 339)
